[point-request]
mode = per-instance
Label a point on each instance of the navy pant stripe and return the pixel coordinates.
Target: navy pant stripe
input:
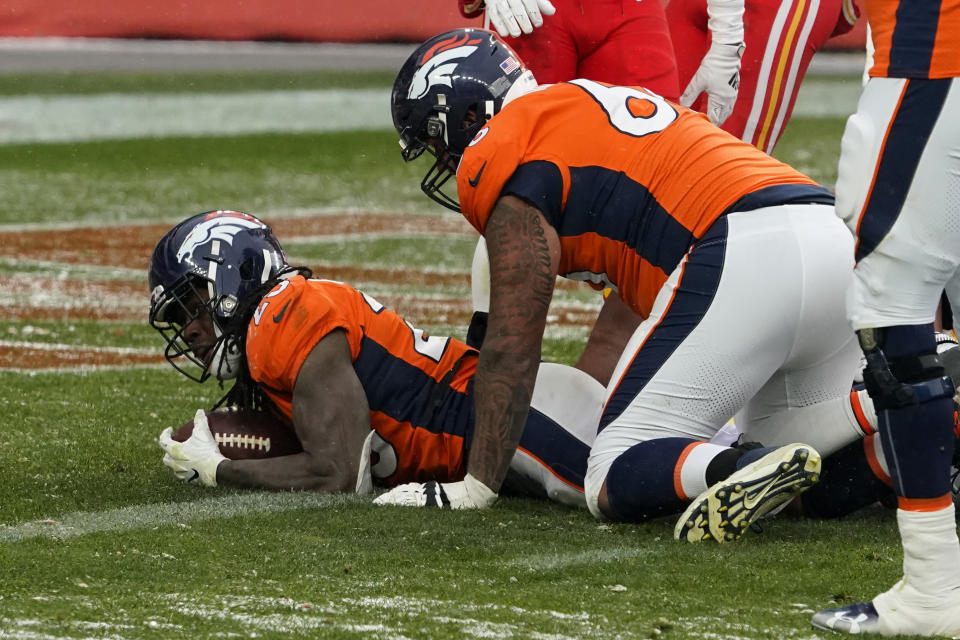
(555, 447)
(694, 294)
(906, 139)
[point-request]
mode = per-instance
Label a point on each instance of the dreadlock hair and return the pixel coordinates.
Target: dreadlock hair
(245, 392)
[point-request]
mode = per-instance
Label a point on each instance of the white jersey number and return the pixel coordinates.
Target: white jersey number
(635, 112)
(429, 346)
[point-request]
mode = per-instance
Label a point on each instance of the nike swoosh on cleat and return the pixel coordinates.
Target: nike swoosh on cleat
(196, 474)
(279, 316)
(476, 179)
(749, 502)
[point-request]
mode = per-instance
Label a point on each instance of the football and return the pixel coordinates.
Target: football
(243, 434)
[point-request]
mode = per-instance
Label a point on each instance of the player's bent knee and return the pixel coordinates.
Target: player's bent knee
(639, 483)
(595, 482)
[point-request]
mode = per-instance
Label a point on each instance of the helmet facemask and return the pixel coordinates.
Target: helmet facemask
(173, 312)
(447, 148)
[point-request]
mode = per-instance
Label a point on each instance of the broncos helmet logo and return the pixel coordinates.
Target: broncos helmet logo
(439, 63)
(221, 227)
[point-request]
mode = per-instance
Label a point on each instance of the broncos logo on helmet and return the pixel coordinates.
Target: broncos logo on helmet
(223, 226)
(439, 63)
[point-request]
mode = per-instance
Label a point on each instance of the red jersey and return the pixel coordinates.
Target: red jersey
(416, 385)
(627, 179)
(914, 39)
(781, 37)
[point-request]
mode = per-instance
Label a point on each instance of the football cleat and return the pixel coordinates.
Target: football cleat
(724, 511)
(853, 619)
(945, 341)
(903, 610)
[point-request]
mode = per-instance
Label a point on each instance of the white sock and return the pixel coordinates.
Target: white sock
(693, 470)
(926, 601)
(931, 550)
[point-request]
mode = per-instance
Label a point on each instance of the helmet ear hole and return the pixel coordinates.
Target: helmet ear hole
(434, 128)
(470, 117)
(246, 269)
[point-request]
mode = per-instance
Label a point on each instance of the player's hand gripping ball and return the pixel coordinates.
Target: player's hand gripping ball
(196, 450)
(244, 434)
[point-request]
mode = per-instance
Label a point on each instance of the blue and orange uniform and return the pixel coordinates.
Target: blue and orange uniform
(418, 387)
(897, 188)
(678, 217)
(628, 179)
(898, 167)
(914, 40)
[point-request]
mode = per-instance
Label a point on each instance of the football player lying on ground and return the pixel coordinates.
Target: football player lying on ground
(352, 376)
(737, 263)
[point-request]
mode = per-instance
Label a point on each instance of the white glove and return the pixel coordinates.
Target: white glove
(510, 17)
(196, 458)
(469, 494)
(719, 76)
(719, 72)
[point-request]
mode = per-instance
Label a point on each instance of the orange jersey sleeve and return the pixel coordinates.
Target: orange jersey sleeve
(914, 39)
(288, 323)
(415, 384)
(629, 180)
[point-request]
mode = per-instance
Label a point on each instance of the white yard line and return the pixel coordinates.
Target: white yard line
(590, 558)
(74, 118)
(71, 118)
(83, 370)
(83, 523)
(53, 346)
(272, 215)
(128, 54)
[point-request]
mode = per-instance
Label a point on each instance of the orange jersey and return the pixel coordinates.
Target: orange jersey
(416, 385)
(627, 179)
(914, 39)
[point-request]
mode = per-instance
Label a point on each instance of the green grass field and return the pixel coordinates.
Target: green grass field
(98, 540)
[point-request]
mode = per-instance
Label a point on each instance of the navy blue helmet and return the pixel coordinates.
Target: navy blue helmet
(209, 263)
(445, 93)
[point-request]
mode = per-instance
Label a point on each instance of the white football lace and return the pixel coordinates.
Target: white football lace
(243, 441)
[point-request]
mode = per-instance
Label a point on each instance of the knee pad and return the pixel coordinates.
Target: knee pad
(902, 381)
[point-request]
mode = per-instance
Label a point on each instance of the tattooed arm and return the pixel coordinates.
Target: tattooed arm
(524, 255)
(524, 258)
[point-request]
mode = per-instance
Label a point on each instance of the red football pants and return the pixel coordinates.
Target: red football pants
(781, 38)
